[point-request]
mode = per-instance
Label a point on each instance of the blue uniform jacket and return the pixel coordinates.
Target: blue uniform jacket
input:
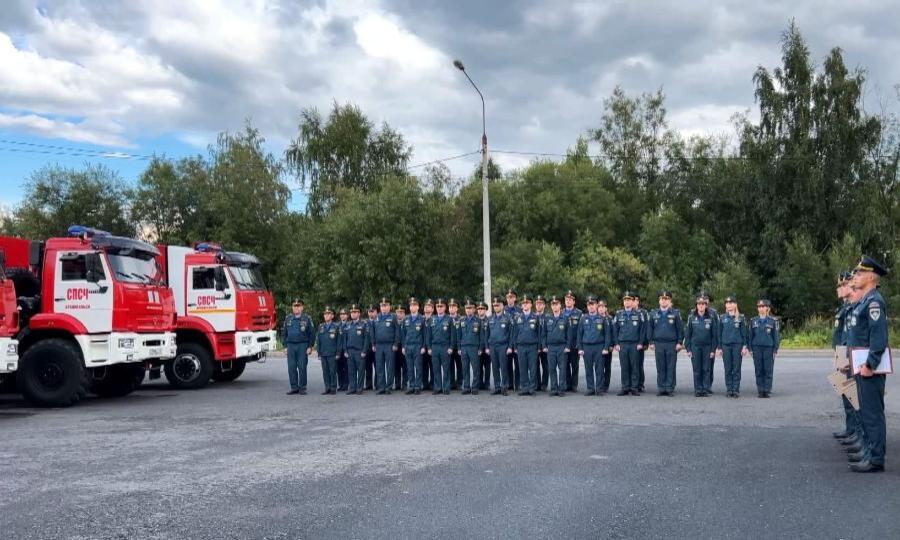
(297, 330)
(328, 339)
(701, 331)
(733, 330)
(665, 326)
(868, 326)
(764, 333)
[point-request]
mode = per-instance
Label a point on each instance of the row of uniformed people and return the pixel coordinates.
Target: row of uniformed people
(861, 323)
(501, 345)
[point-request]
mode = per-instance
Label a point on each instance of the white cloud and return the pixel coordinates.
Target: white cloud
(86, 132)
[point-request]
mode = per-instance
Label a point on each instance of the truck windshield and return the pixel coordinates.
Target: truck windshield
(247, 278)
(131, 269)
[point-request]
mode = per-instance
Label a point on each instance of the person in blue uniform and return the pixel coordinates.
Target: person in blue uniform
(628, 333)
(484, 357)
(455, 358)
(712, 363)
(512, 361)
(665, 335)
(471, 343)
(734, 338)
(328, 343)
(356, 347)
(556, 335)
(412, 340)
(645, 342)
(542, 369)
(572, 357)
(593, 339)
(839, 339)
(603, 383)
(372, 315)
(527, 340)
(440, 340)
(343, 374)
(427, 373)
(701, 338)
(297, 336)
(499, 345)
(868, 330)
(401, 375)
(386, 340)
(764, 342)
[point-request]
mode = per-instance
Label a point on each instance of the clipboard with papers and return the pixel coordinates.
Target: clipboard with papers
(859, 355)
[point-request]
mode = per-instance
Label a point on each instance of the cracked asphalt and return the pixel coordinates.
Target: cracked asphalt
(243, 460)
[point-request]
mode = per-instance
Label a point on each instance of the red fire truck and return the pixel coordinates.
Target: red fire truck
(94, 312)
(226, 316)
(9, 325)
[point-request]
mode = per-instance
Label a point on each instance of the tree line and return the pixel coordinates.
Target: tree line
(778, 209)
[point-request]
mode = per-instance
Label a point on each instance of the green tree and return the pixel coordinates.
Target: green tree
(57, 197)
(344, 151)
(735, 277)
(802, 280)
(168, 199)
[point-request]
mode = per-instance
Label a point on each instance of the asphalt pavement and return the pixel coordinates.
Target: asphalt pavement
(244, 460)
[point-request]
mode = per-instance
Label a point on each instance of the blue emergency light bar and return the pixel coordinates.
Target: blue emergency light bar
(206, 247)
(85, 232)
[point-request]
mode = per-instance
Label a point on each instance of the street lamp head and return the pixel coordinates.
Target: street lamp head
(459, 65)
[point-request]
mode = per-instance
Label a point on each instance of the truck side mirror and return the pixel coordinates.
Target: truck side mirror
(93, 268)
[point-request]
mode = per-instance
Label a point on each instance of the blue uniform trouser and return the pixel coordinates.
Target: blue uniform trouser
(471, 367)
(440, 363)
(593, 366)
(296, 363)
(603, 384)
(384, 366)
(356, 368)
(764, 363)
(414, 367)
(731, 358)
(499, 366)
(871, 415)
(628, 360)
(401, 376)
(343, 373)
(558, 362)
(666, 355)
(512, 367)
(370, 369)
(574, 359)
(329, 371)
(640, 367)
(702, 364)
(851, 415)
(527, 367)
(427, 376)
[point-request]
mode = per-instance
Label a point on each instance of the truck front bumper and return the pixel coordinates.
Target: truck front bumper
(254, 344)
(126, 347)
(9, 355)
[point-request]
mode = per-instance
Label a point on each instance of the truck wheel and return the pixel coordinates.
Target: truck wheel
(237, 367)
(191, 368)
(51, 374)
(120, 380)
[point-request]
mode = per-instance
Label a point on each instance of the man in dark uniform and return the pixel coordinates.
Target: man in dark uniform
(556, 335)
(471, 343)
(485, 358)
(764, 343)
(401, 375)
(386, 339)
(542, 369)
(574, 315)
(512, 361)
(455, 359)
(412, 340)
(628, 329)
(665, 335)
(440, 340)
(715, 315)
(342, 372)
(499, 345)
(527, 339)
(593, 340)
(603, 382)
(868, 330)
(645, 316)
(701, 339)
(297, 336)
(839, 339)
(427, 376)
(370, 354)
(328, 344)
(356, 347)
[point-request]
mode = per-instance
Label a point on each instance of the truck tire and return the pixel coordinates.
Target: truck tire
(237, 368)
(191, 368)
(120, 380)
(51, 374)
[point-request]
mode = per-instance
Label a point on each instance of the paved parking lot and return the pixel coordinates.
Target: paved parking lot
(243, 460)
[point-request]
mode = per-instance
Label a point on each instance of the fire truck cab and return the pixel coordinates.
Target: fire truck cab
(226, 316)
(93, 312)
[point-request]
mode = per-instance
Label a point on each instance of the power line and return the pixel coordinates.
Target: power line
(451, 158)
(70, 150)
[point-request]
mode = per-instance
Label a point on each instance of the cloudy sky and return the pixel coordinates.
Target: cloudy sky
(163, 76)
